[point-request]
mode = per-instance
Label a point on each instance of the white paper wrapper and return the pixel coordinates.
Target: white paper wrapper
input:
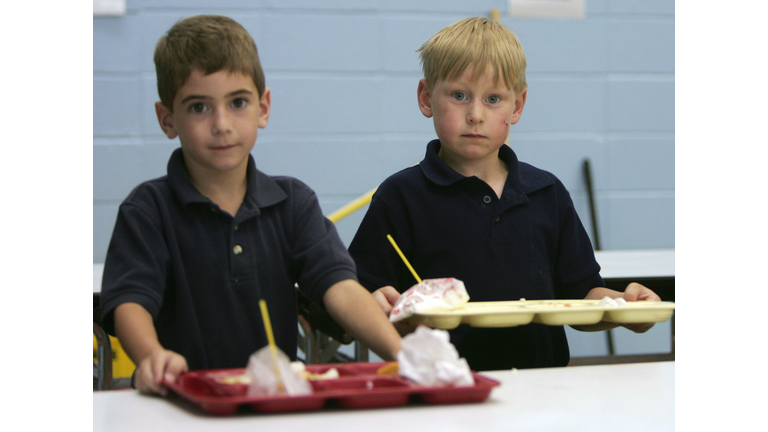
(265, 382)
(607, 301)
(430, 294)
(427, 357)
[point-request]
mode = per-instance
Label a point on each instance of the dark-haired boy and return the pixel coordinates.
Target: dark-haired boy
(194, 251)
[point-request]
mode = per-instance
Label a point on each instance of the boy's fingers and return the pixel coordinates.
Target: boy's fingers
(176, 366)
(386, 297)
(145, 378)
(390, 293)
(636, 292)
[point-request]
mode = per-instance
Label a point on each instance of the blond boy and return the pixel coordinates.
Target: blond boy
(472, 211)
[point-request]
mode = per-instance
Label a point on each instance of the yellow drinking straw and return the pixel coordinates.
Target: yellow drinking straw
(270, 336)
(405, 260)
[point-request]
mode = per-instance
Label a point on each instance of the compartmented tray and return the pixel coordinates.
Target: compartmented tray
(225, 392)
(550, 312)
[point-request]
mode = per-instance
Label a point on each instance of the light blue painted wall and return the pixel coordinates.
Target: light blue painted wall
(343, 75)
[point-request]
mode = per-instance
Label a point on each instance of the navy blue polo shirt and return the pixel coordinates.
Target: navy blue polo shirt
(527, 244)
(201, 272)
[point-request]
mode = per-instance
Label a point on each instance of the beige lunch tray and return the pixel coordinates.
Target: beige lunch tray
(549, 312)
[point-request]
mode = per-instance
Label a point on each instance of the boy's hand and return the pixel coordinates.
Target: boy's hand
(160, 364)
(633, 292)
(386, 297)
(637, 292)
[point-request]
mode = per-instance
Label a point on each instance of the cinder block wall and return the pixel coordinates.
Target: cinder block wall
(343, 75)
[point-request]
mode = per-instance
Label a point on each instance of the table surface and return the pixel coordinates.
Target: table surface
(626, 397)
(640, 263)
(614, 263)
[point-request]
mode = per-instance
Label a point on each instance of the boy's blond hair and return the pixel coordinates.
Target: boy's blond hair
(477, 43)
(208, 43)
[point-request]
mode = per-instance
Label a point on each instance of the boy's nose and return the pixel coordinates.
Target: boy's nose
(475, 113)
(221, 122)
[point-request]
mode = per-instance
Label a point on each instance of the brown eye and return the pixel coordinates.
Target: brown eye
(197, 108)
(239, 102)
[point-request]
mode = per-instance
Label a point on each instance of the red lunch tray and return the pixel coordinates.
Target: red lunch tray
(358, 386)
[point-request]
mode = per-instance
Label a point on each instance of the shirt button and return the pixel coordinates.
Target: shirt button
(236, 227)
(497, 218)
(237, 250)
(487, 199)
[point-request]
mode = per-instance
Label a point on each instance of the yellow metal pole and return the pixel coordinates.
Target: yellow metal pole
(352, 206)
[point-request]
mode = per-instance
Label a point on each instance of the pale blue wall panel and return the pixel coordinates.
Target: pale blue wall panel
(651, 7)
(320, 42)
(638, 104)
(466, 8)
(117, 169)
(199, 6)
(640, 164)
(115, 44)
(562, 46)
(334, 166)
(324, 104)
(400, 108)
(638, 220)
(340, 5)
(116, 106)
(402, 36)
(563, 104)
(642, 46)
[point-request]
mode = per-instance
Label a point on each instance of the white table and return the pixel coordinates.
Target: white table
(625, 397)
(640, 263)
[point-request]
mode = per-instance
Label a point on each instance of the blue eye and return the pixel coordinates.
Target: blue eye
(493, 99)
(459, 96)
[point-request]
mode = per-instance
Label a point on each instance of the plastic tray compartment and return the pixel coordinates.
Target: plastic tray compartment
(224, 391)
(640, 312)
(550, 312)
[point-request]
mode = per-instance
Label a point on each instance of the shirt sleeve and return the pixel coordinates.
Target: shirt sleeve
(319, 256)
(576, 269)
(135, 265)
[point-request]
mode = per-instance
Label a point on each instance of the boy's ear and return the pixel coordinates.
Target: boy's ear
(165, 120)
(519, 105)
(265, 104)
(425, 98)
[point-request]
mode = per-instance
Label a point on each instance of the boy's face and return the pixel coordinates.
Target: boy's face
(472, 117)
(216, 118)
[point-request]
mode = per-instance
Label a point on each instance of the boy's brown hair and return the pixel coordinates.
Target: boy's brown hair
(477, 43)
(208, 43)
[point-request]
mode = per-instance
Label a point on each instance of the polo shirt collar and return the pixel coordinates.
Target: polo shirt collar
(438, 172)
(262, 191)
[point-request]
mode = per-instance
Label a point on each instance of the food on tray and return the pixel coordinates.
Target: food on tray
(296, 366)
(389, 369)
(555, 304)
(607, 301)
(430, 294)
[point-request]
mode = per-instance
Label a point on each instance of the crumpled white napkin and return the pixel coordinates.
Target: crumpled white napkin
(427, 357)
(264, 380)
(430, 294)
